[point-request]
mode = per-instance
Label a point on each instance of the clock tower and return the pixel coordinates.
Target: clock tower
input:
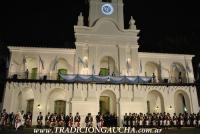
(106, 8)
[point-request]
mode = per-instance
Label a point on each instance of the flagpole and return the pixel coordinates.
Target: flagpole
(186, 68)
(39, 67)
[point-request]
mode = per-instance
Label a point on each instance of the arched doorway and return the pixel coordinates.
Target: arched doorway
(59, 66)
(60, 106)
(31, 69)
(178, 70)
(155, 102)
(56, 101)
(107, 66)
(151, 68)
(107, 102)
(29, 107)
(25, 100)
(182, 102)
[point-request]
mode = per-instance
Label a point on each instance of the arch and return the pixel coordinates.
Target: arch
(23, 97)
(30, 65)
(155, 102)
(150, 68)
(57, 94)
(60, 65)
(19, 101)
(175, 70)
(181, 102)
(107, 102)
(107, 66)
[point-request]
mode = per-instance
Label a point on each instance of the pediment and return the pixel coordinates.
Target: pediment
(106, 26)
(105, 31)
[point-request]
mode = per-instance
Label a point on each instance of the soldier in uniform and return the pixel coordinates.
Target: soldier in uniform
(11, 119)
(194, 120)
(77, 120)
(168, 120)
(4, 117)
(125, 120)
(134, 120)
(52, 120)
(198, 120)
(129, 120)
(160, 118)
(181, 120)
(67, 120)
(70, 120)
(62, 120)
(39, 120)
(47, 120)
(28, 119)
(57, 119)
(89, 120)
(98, 119)
(188, 120)
(141, 120)
(147, 120)
(101, 121)
(175, 120)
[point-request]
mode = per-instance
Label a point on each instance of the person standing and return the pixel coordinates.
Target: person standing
(70, 120)
(4, 118)
(77, 120)
(89, 120)
(39, 120)
(47, 120)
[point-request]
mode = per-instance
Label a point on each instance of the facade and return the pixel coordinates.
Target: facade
(104, 48)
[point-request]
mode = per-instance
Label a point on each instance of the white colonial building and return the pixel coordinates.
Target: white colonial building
(105, 72)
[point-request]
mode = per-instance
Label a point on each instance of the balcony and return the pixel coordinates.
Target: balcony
(75, 78)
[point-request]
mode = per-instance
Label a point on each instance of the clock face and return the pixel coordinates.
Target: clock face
(107, 9)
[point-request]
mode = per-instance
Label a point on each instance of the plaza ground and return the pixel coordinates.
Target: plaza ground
(168, 131)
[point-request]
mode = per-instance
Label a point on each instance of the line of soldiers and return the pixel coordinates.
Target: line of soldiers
(106, 120)
(59, 120)
(62, 120)
(20, 119)
(164, 120)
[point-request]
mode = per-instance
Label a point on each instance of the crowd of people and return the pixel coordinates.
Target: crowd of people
(21, 120)
(162, 120)
(158, 120)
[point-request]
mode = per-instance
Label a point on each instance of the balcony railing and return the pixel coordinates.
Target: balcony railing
(92, 78)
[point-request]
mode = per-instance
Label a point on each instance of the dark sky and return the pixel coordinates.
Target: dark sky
(165, 26)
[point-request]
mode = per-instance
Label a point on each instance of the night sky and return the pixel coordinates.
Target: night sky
(165, 26)
(169, 27)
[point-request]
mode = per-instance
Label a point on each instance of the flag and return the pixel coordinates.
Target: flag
(160, 65)
(140, 66)
(82, 62)
(55, 63)
(24, 60)
(24, 63)
(187, 66)
(41, 61)
(128, 66)
(93, 70)
(175, 66)
(14, 61)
